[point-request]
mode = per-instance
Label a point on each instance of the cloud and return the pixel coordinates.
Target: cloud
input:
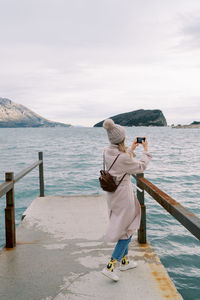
(189, 31)
(81, 61)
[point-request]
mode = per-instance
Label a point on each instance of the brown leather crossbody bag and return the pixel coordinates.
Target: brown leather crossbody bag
(106, 180)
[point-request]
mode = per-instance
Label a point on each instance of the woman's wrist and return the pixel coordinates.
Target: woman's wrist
(133, 148)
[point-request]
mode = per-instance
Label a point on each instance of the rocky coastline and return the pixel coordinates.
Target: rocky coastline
(194, 124)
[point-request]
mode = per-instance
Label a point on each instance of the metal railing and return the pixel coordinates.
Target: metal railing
(189, 220)
(7, 188)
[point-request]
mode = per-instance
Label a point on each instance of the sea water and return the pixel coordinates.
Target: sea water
(72, 160)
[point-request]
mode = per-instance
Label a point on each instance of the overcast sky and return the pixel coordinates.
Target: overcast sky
(81, 61)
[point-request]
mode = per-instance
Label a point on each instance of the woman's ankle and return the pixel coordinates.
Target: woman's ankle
(111, 265)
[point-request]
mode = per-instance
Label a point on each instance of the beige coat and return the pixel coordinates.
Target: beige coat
(123, 206)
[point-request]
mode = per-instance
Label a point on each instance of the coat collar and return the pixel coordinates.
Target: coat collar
(113, 146)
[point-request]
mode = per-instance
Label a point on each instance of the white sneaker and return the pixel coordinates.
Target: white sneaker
(130, 265)
(110, 274)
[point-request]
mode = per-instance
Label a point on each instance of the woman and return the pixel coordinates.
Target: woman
(123, 207)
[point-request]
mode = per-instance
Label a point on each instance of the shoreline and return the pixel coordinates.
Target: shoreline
(186, 126)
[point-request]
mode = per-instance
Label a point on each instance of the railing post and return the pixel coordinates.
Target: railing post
(41, 174)
(10, 214)
(142, 229)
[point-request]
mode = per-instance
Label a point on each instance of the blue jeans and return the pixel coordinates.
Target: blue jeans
(121, 249)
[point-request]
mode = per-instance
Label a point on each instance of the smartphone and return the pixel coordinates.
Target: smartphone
(140, 139)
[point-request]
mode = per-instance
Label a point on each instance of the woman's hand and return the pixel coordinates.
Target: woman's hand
(134, 145)
(145, 144)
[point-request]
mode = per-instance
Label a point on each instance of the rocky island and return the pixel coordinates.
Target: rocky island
(17, 115)
(139, 117)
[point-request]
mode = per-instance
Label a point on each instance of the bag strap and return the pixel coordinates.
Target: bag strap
(114, 162)
(121, 179)
(104, 164)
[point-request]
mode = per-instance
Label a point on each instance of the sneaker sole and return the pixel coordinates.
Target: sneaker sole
(116, 279)
(128, 268)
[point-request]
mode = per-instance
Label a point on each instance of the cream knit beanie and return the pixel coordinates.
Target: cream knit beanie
(116, 133)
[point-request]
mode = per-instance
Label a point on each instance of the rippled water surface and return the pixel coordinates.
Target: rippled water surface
(72, 159)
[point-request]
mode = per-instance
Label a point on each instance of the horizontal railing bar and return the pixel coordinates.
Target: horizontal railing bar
(26, 171)
(5, 187)
(180, 213)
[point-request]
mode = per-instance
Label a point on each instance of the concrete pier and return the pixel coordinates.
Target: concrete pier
(61, 250)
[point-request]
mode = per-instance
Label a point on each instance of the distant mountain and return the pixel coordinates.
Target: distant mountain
(17, 115)
(139, 117)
